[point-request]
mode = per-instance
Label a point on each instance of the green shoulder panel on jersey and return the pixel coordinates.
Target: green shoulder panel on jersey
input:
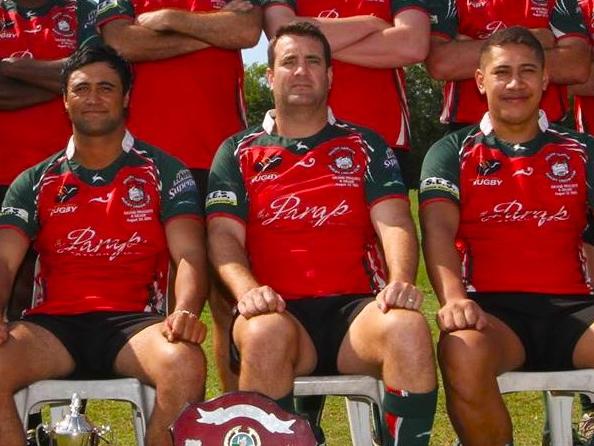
(226, 190)
(440, 174)
(19, 208)
(398, 5)
(179, 192)
(566, 18)
(444, 17)
(383, 177)
(110, 9)
(87, 21)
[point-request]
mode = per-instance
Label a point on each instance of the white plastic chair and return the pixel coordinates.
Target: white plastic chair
(361, 392)
(141, 396)
(559, 388)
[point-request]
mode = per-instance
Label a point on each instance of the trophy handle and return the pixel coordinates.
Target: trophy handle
(45, 428)
(105, 434)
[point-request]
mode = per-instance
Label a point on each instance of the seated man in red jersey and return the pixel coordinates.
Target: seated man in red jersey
(504, 214)
(459, 27)
(103, 249)
(310, 228)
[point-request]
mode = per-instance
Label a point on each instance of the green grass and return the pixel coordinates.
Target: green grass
(526, 408)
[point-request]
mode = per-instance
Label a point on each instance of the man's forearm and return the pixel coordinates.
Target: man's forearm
(568, 62)
(15, 94)
(191, 283)
(139, 44)
(585, 89)
(223, 29)
(453, 60)
(40, 73)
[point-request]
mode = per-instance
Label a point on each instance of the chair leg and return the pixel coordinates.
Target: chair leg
(558, 409)
(360, 421)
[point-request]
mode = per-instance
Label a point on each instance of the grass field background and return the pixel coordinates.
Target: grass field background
(526, 408)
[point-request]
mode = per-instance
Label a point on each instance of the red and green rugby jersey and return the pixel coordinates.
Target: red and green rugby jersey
(54, 31)
(478, 19)
(522, 207)
(305, 205)
(100, 233)
(188, 104)
(583, 106)
(370, 97)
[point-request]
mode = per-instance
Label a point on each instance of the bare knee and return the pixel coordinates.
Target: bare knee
(405, 330)
(269, 334)
(180, 366)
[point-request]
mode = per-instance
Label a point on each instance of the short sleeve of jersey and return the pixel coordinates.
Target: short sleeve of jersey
(440, 174)
(444, 17)
(226, 189)
(87, 28)
(108, 10)
(179, 193)
(566, 19)
(383, 177)
(18, 208)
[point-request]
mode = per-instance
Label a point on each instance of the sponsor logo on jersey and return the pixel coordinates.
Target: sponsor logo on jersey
(221, 197)
(97, 179)
(487, 182)
(64, 25)
(86, 242)
(559, 168)
(477, 3)
(301, 146)
(263, 177)
(7, 29)
(491, 28)
(488, 167)
(343, 161)
(391, 161)
(184, 182)
(136, 197)
(514, 212)
(291, 208)
(528, 171)
(237, 437)
(269, 163)
(61, 210)
(435, 184)
(66, 192)
(23, 214)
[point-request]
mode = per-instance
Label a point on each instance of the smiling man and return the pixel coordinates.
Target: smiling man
(310, 228)
(504, 214)
(104, 251)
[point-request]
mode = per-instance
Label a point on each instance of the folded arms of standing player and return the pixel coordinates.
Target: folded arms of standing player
(168, 33)
(364, 40)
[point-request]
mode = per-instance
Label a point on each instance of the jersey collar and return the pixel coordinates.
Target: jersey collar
(127, 144)
(269, 123)
(487, 125)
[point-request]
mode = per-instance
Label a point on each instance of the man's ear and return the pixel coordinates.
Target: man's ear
(480, 80)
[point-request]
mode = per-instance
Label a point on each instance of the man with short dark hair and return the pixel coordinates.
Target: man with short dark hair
(504, 208)
(310, 228)
(115, 240)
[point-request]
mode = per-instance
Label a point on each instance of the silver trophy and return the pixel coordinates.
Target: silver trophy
(74, 430)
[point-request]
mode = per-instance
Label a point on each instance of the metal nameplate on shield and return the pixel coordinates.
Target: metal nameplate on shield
(240, 419)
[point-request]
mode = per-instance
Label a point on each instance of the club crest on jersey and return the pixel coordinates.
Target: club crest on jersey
(559, 168)
(343, 161)
(66, 192)
(237, 437)
(268, 163)
(64, 25)
(136, 196)
(488, 167)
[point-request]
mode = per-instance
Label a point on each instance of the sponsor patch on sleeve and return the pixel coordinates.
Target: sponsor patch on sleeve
(221, 197)
(184, 182)
(435, 184)
(17, 212)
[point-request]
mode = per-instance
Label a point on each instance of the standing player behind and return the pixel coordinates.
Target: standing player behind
(113, 242)
(459, 28)
(371, 42)
(509, 300)
(584, 93)
(35, 38)
(298, 208)
(188, 93)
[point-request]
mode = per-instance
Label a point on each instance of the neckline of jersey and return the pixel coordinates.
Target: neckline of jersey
(90, 176)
